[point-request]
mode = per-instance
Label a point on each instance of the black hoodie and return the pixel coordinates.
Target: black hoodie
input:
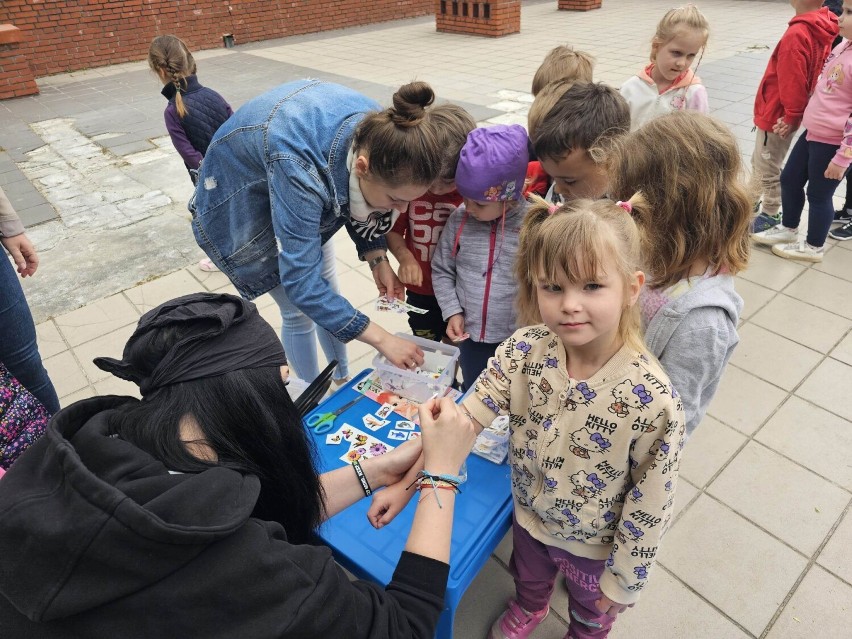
(98, 539)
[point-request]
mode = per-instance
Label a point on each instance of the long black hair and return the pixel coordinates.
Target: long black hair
(248, 419)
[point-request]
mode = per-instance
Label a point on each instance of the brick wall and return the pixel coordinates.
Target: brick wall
(77, 34)
(579, 5)
(16, 76)
(492, 18)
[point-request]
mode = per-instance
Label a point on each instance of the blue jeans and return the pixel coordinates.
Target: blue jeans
(18, 347)
(473, 358)
(299, 333)
(806, 166)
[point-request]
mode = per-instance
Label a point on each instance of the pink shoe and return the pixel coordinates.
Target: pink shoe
(207, 265)
(516, 623)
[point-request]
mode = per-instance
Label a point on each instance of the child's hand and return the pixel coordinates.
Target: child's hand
(782, 129)
(609, 607)
(388, 503)
(834, 171)
(455, 327)
(410, 272)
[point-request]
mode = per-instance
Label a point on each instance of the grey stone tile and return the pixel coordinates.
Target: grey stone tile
(37, 214)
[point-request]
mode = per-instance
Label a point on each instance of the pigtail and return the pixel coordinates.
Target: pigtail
(179, 84)
(538, 210)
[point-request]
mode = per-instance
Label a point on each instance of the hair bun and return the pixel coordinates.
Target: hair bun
(410, 102)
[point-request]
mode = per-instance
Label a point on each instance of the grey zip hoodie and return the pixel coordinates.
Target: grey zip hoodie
(693, 337)
(464, 283)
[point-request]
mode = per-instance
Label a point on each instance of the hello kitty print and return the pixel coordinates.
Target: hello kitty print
(592, 461)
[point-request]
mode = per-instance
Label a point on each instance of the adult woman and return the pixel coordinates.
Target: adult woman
(286, 172)
(18, 347)
(184, 514)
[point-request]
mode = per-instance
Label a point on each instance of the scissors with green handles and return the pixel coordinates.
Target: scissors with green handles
(323, 422)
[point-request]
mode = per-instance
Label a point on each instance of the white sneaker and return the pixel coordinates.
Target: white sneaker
(777, 234)
(799, 251)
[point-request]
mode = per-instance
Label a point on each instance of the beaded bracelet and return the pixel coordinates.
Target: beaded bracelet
(362, 478)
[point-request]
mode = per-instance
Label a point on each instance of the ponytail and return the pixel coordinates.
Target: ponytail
(402, 142)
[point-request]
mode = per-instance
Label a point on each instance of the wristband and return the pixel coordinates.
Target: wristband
(362, 478)
(373, 263)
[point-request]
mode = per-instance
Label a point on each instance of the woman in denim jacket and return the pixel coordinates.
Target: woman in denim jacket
(284, 174)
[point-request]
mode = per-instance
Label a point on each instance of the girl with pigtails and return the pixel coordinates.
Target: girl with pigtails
(596, 427)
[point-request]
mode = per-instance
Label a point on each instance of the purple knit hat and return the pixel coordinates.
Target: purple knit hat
(493, 163)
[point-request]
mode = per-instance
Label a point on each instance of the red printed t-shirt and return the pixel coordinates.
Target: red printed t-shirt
(421, 226)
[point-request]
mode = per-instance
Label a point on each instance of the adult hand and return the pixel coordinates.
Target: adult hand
(387, 282)
(834, 171)
(400, 352)
(23, 253)
(448, 436)
(609, 607)
(455, 327)
(410, 272)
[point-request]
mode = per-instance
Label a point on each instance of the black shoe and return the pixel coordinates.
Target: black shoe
(843, 215)
(842, 233)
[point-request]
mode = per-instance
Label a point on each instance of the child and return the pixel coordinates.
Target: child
(695, 239)
(472, 266)
(782, 97)
(416, 231)
(819, 159)
(563, 63)
(562, 67)
(193, 113)
(572, 137)
(668, 84)
(596, 428)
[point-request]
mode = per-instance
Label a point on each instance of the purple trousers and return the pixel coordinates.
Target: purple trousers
(534, 567)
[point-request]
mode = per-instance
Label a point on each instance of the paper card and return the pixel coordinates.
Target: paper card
(399, 435)
(334, 438)
(404, 425)
(384, 411)
(414, 434)
(371, 422)
(346, 432)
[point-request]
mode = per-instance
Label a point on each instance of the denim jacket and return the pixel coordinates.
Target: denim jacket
(274, 187)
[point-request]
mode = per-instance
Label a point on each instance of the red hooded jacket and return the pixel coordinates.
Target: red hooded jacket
(793, 69)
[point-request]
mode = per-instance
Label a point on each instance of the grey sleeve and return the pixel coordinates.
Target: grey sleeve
(444, 271)
(10, 223)
(694, 359)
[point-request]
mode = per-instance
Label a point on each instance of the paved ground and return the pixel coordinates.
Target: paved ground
(758, 547)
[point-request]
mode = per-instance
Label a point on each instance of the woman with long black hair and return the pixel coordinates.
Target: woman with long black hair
(188, 513)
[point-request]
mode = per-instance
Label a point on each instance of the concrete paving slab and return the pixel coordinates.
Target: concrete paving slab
(734, 564)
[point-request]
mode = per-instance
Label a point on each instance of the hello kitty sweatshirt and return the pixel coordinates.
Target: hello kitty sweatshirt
(594, 462)
(827, 117)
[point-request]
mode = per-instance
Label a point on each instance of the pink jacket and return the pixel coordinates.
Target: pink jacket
(828, 116)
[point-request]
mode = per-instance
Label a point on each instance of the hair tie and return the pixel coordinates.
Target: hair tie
(552, 209)
(627, 206)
